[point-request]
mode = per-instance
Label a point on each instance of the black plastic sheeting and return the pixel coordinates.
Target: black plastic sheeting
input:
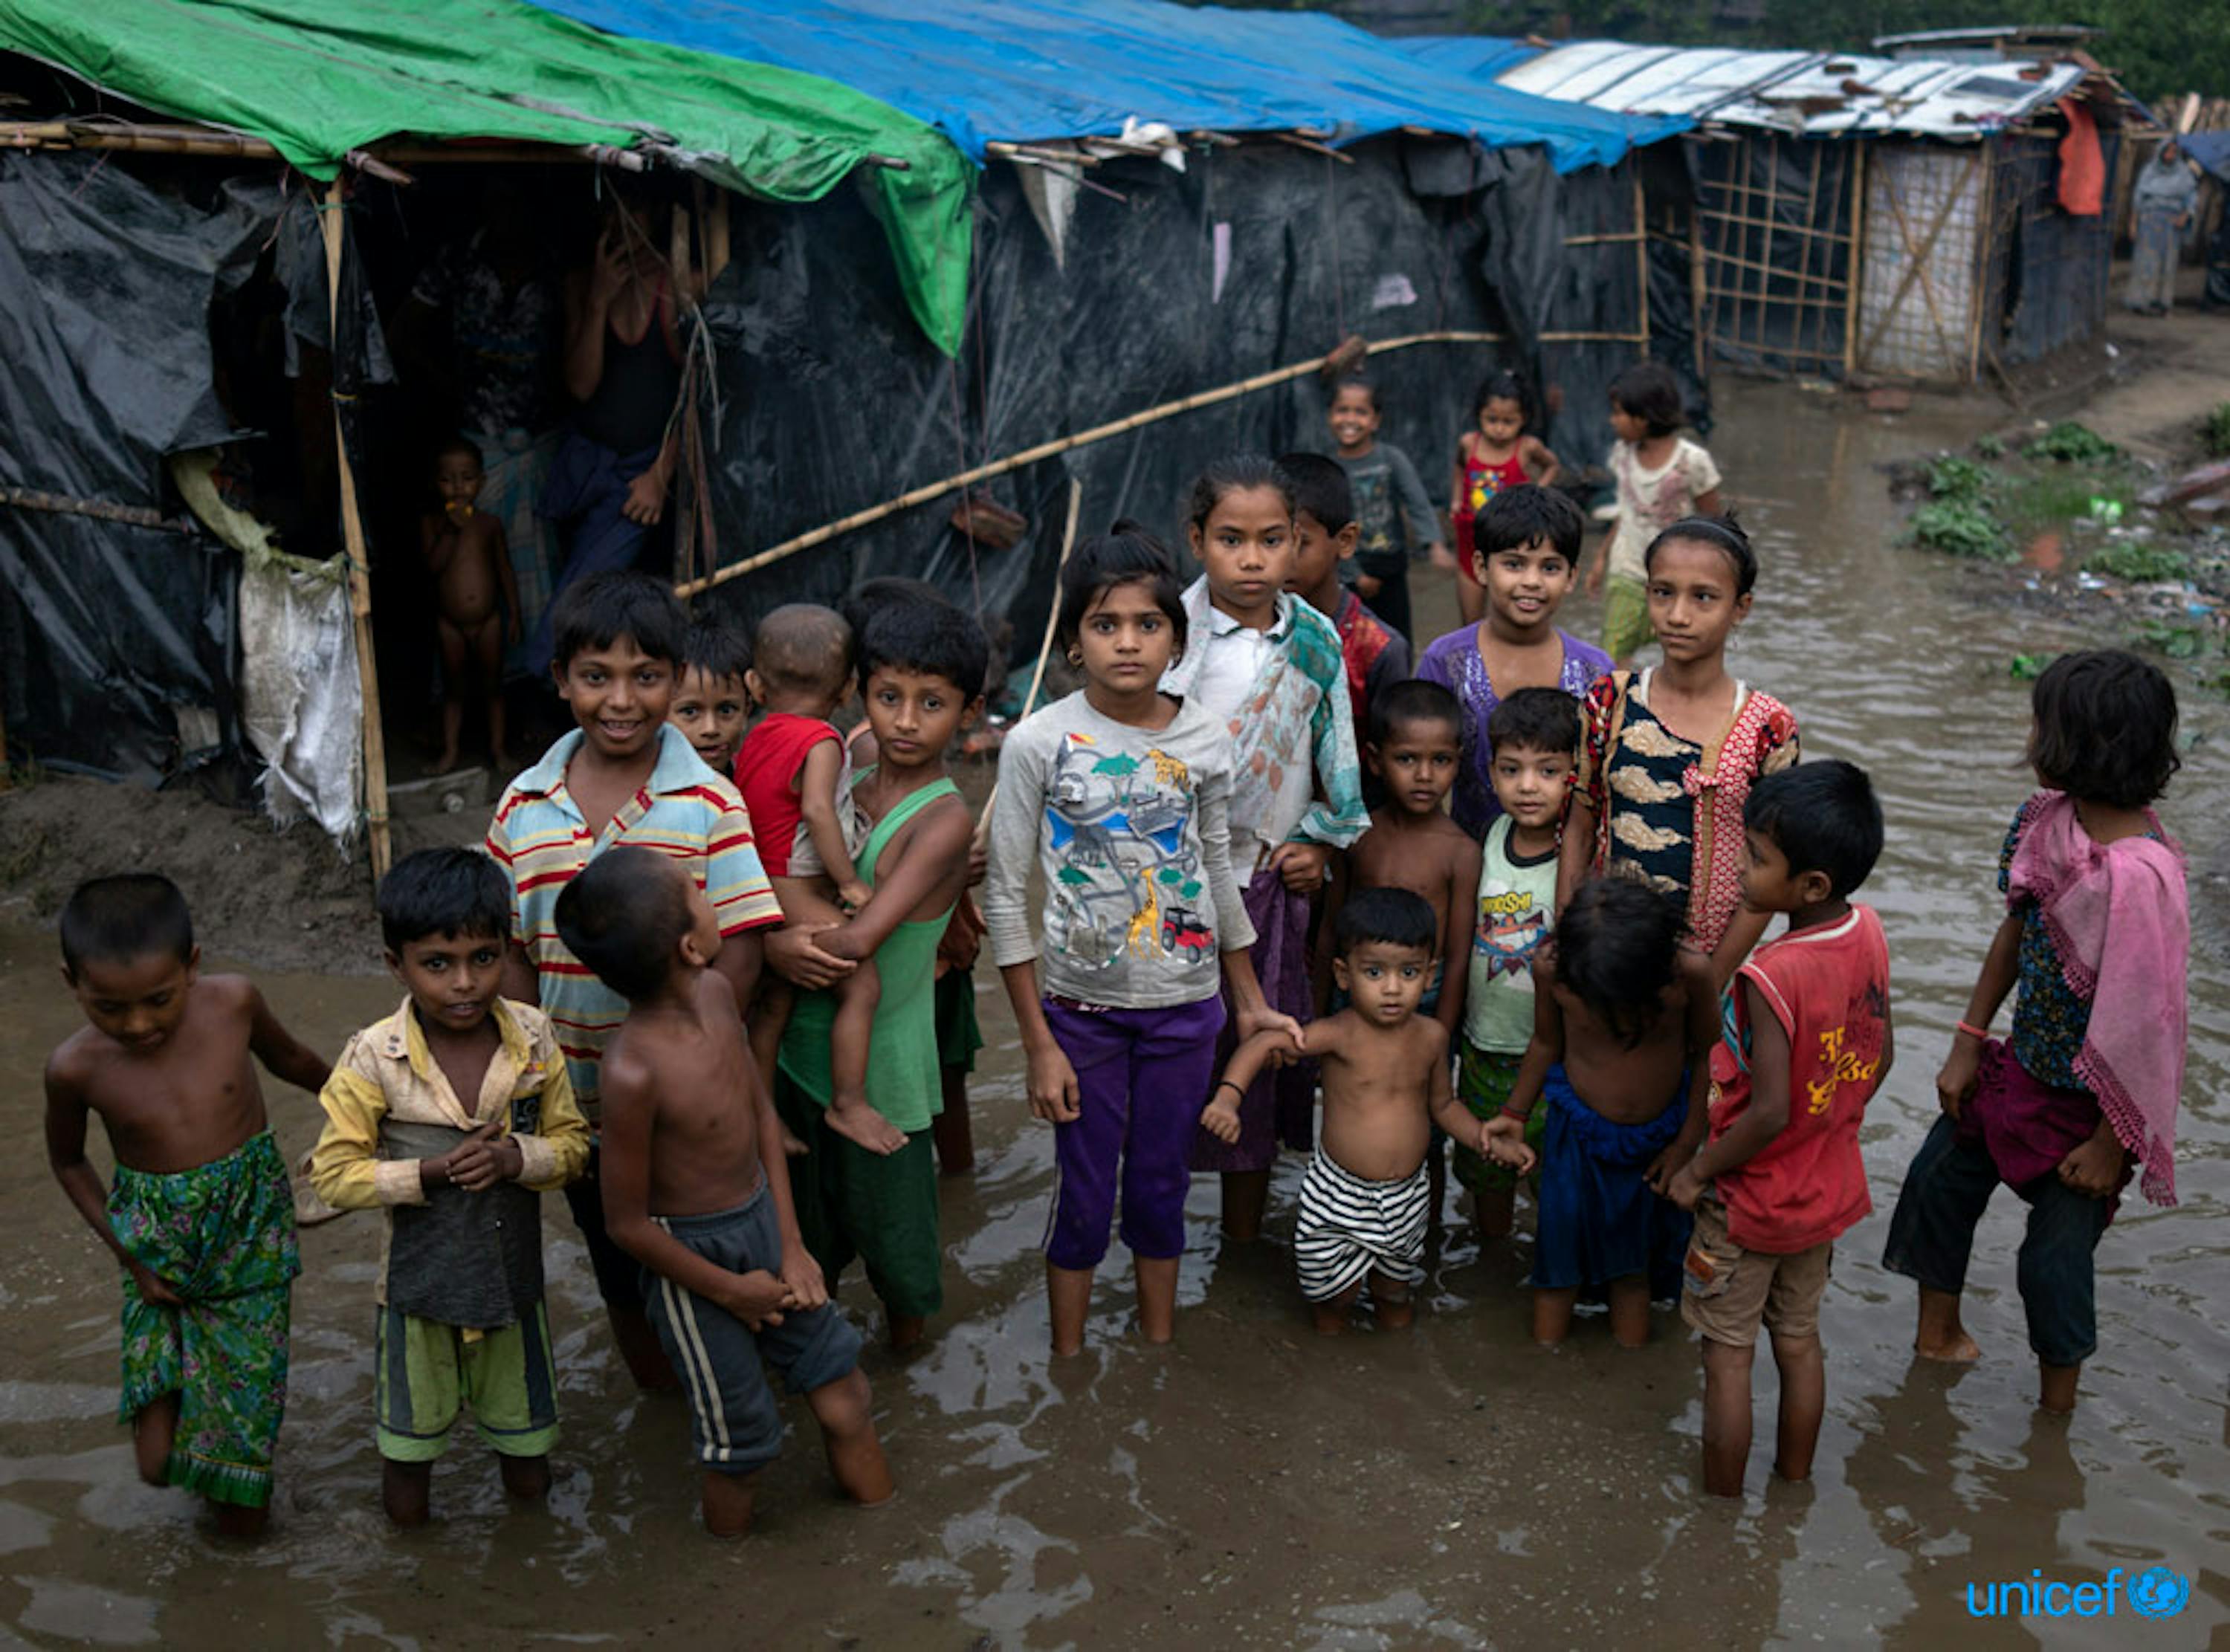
(117, 642)
(830, 401)
(2049, 271)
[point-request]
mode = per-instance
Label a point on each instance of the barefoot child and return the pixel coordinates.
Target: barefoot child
(476, 597)
(1398, 523)
(1535, 734)
(202, 1215)
(1807, 1043)
(921, 669)
(696, 1192)
(1493, 458)
(1670, 754)
(1365, 1200)
(796, 782)
(1117, 794)
(1269, 667)
(461, 1319)
(1526, 548)
(625, 775)
(1660, 477)
(1376, 656)
(711, 702)
(2096, 939)
(1625, 1017)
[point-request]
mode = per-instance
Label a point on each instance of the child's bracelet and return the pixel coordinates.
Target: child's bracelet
(1222, 1084)
(1520, 1115)
(1980, 1034)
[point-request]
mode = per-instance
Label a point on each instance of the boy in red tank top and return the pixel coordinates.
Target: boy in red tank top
(1807, 1043)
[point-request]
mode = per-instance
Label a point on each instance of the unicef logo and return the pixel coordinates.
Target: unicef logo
(2159, 1592)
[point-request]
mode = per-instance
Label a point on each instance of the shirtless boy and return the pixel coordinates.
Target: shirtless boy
(1626, 1015)
(165, 1064)
(1365, 1200)
(688, 1192)
(476, 597)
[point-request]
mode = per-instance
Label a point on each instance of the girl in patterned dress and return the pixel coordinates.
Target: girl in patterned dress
(1670, 754)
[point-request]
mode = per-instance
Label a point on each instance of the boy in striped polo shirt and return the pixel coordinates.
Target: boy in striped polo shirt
(625, 775)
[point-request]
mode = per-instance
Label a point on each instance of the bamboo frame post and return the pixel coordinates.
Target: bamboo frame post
(1640, 257)
(359, 567)
(1854, 268)
(983, 833)
(6, 775)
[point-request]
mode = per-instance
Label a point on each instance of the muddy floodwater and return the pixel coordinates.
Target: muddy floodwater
(1254, 1485)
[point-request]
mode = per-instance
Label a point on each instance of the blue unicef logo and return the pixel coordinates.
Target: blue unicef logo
(2159, 1592)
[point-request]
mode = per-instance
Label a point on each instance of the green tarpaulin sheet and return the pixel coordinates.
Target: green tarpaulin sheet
(318, 78)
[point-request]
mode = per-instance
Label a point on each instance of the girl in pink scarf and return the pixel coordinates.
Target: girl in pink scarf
(2095, 937)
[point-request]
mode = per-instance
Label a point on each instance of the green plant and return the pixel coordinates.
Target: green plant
(1960, 530)
(2070, 443)
(1991, 447)
(1959, 481)
(2214, 431)
(2177, 641)
(2139, 561)
(2027, 668)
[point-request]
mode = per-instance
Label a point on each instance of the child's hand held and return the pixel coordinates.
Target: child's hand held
(801, 1278)
(756, 1298)
(153, 1289)
(1220, 1118)
(1052, 1081)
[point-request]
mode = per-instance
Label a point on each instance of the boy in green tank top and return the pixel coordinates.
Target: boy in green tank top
(921, 672)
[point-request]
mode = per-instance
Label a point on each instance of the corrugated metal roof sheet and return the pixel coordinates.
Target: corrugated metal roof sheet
(1819, 95)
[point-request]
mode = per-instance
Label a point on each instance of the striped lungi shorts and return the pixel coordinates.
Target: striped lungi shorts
(1351, 1226)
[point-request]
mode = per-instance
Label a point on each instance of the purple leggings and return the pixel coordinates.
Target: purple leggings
(1142, 1079)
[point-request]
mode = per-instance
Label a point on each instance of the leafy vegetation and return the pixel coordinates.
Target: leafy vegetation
(2140, 561)
(1960, 481)
(2214, 431)
(2070, 443)
(1959, 529)
(2167, 637)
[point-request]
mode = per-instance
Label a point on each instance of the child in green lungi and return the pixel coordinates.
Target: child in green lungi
(202, 1215)
(453, 1114)
(921, 671)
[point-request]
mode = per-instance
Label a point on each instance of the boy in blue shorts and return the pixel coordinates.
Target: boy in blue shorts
(696, 1190)
(624, 775)
(454, 1115)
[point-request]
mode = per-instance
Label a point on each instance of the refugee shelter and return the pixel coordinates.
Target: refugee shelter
(1887, 218)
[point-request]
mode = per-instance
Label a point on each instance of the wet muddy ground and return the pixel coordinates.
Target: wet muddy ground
(1452, 1485)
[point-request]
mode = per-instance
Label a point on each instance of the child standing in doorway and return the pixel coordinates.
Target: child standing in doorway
(1669, 754)
(1525, 549)
(1267, 666)
(2096, 941)
(1493, 457)
(1399, 523)
(1119, 795)
(475, 600)
(1661, 477)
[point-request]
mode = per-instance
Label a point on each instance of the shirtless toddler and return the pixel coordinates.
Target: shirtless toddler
(201, 1214)
(476, 597)
(1366, 1199)
(726, 1277)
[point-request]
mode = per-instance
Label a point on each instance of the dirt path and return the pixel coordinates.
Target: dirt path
(2175, 369)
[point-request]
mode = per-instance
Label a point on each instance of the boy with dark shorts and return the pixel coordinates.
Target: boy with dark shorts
(625, 775)
(201, 1214)
(1366, 1199)
(921, 672)
(1807, 1043)
(693, 1193)
(454, 1115)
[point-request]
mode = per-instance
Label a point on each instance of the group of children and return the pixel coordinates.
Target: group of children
(1539, 939)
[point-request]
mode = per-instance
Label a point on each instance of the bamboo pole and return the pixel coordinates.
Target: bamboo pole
(359, 568)
(982, 834)
(1854, 264)
(1642, 256)
(1124, 426)
(6, 775)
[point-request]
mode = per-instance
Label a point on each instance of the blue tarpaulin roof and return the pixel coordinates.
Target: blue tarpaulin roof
(1475, 57)
(1019, 70)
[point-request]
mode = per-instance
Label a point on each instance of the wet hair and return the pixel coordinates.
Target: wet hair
(804, 648)
(1319, 485)
(1721, 533)
(716, 648)
(1823, 817)
(443, 891)
(2106, 728)
(935, 639)
(1535, 719)
(1395, 917)
(1238, 473)
(622, 916)
(1648, 391)
(112, 920)
(1415, 700)
(1618, 949)
(1363, 382)
(597, 612)
(1518, 516)
(457, 442)
(1503, 385)
(1125, 554)
(869, 597)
